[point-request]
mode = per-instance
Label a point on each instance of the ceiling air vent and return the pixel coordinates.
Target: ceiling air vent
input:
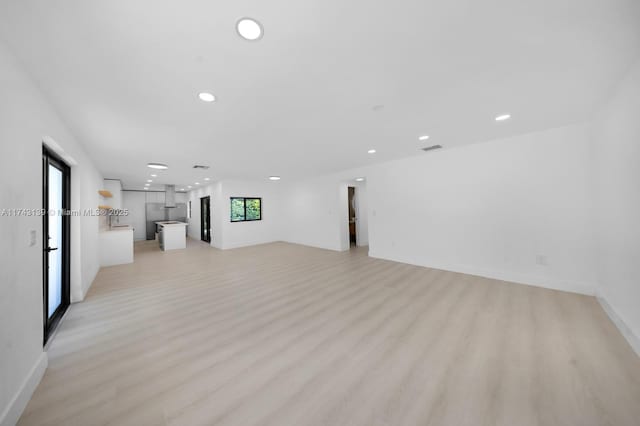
(199, 166)
(431, 148)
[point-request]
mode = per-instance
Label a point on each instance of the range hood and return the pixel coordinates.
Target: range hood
(170, 196)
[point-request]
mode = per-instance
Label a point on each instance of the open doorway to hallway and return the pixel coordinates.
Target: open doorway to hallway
(357, 217)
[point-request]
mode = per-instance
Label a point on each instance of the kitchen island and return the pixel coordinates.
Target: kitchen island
(172, 235)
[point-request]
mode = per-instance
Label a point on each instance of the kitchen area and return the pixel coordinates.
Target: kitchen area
(149, 215)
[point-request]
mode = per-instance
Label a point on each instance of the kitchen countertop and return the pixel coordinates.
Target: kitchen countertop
(118, 228)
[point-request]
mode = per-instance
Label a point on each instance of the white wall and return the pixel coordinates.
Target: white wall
(616, 179)
(516, 209)
(26, 119)
(227, 235)
(115, 187)
(269, 229)
(314, 214)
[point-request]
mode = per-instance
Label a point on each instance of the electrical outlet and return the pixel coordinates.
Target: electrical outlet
(33, 235)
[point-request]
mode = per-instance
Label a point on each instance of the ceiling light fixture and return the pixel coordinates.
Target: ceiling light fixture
(149, 180)
(197, 183)
(249, 29)
(206, 97)
(189, 186)
(146, 188)
(503, 117)
(274, 177)
(371, 151)
(207, 179)
(158, 166)
(423, 138)
(154, 175)
(359, 179)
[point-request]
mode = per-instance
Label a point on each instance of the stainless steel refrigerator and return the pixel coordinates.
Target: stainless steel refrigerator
(157, 212)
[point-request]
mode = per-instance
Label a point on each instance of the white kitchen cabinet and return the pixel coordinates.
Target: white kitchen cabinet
(155, 197)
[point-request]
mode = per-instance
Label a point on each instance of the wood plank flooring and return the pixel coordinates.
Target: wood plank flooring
(281, 334)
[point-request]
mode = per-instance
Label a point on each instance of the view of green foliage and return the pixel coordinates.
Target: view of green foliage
(237, 209)
(253, 208)
(243, 209)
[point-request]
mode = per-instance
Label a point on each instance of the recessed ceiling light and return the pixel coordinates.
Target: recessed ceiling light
(189, 186)
(207, 179)
(423, 137)
(154, 175)
(249, 29)
(503, 117)
(359, 179)
(149, 180)
(206, 97)
(372, 151)
(159, 166)
(197, 183)
(274, 177)
(146, 188)
(147, 184)
(181, 189)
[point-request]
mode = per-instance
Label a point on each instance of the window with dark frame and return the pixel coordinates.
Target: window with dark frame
(246, 209)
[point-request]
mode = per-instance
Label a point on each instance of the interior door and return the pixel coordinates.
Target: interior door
(205, 219)
(56, 250)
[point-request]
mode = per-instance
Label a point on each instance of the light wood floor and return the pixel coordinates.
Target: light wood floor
(284, 335)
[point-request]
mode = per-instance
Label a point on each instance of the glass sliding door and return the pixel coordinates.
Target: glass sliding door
(55, 195)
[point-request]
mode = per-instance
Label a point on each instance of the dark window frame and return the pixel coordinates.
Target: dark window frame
(244, 202)
(50, 323)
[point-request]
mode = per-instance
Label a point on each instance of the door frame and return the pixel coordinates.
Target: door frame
(206, 199)
(49, 324)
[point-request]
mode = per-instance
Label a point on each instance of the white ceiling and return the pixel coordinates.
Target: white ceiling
(125, 76)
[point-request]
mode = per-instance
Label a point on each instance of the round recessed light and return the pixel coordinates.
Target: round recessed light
(274, 177)
(181, 189)
(371, 151)
(249, 29)
(146, 188)
(206, 97)
(147, 184)
(158, 166)
(423, 137)
(503, 117)
(197, 183)
(189, 186)
(207, 179)
(154, 175)
(149, 180)
(359, 179)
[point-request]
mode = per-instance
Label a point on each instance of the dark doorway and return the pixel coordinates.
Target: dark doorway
(205, 219)
(352, 217)
(56, 178)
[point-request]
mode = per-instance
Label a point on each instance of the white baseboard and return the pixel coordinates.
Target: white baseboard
(12, 413)
(633, 340)
(544, 282)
